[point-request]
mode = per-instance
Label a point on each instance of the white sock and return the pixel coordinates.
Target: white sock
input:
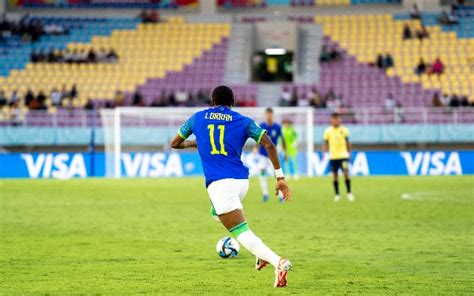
(254, 244)
(263, 184)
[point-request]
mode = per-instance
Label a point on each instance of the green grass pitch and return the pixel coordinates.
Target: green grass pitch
(403, 235)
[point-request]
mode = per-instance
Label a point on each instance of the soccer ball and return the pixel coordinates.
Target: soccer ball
(227, 247)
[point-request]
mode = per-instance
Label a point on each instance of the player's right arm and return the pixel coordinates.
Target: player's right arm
(272, 152)
(180, 142)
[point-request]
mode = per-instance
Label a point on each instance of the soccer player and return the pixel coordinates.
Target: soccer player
(220, 136)
(274, 133)
(336, 138)
(290, 136)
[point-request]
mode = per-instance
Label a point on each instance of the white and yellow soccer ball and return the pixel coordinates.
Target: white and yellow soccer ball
(227, 247)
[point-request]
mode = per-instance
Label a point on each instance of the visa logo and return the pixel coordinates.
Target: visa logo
(152, 165)
(432, 163)
(60, 166)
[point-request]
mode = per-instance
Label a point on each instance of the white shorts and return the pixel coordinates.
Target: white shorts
(264, 164)
(227, 194)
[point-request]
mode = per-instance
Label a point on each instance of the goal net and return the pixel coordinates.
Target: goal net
(137, 141)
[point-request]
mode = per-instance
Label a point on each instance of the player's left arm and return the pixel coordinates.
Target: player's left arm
(180, 142)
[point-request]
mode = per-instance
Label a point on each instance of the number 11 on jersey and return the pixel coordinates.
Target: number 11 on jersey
(211, 128)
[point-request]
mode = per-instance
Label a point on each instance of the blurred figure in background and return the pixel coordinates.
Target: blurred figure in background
(137, 100)
(112, 56)
(274, 134)
(89, 105)
(29, 96)
(91, 56)
(15, 114)
(154, 16)
(119, 99)
(407, 34)
(324, 55)
(285, 97)
(3, 98)
(182, 97)
(389, 104)
(14, 98)
(421, 67)
(454, 102)
(422, 33)
(415, 12)
(290, 137)
(399, 113)
(437, 67)
(445, 99)
(388, 61)
(56, 97)
(436, 101)
(336, 142)
(41, 98)
(74, 92)
(294, 98)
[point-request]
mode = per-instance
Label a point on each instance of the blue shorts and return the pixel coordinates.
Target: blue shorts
(339, 164)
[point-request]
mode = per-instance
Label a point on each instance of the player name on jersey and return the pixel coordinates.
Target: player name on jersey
(218, 116)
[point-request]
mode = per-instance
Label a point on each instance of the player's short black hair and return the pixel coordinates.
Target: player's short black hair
(223, 96)
(269, 110)
(335, 115)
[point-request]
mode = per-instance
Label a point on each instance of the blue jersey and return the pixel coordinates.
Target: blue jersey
(221, 134)
(273, 132)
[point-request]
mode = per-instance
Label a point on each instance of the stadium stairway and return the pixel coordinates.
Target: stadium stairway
(15, 54)
(269, 94)
(150, 51)
(204, 73)
(368, 35)
(237, 67)
(310, 42)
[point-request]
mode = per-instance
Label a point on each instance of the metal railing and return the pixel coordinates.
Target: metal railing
(367, 116)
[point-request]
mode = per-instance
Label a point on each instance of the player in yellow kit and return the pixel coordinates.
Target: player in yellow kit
(336, 140)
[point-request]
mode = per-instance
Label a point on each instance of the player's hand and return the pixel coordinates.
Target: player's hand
(282, 186)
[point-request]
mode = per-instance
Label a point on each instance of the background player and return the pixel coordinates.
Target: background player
(290, 137)
(274, 133)
(336, 138)
(220, 136)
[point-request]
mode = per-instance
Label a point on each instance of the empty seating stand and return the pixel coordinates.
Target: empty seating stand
(15, 54)
(146, 52)
(368, 35)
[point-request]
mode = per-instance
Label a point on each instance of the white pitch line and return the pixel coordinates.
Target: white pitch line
(431, 196)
